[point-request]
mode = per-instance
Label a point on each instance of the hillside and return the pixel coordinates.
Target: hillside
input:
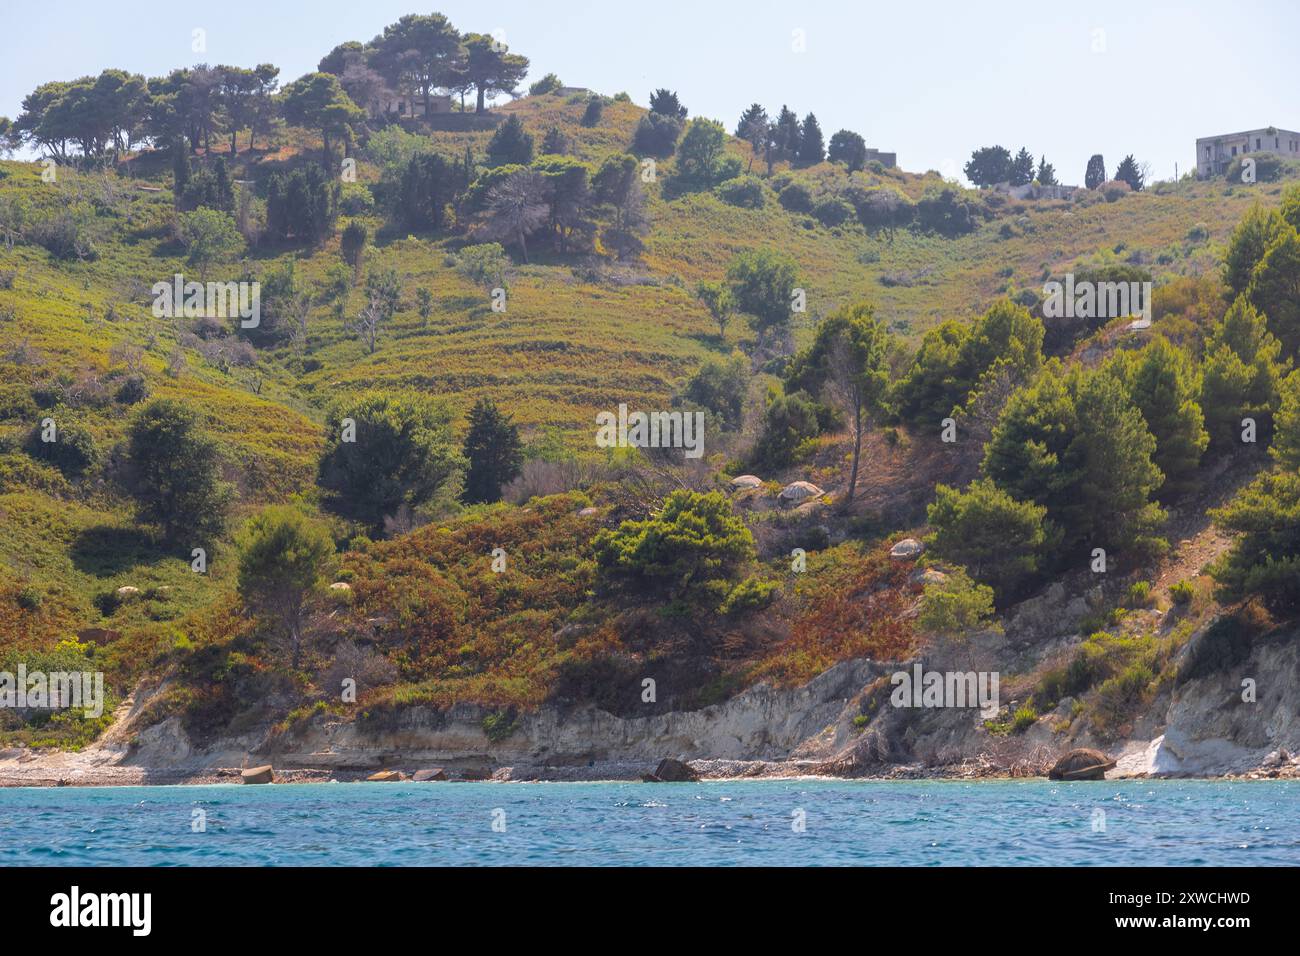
(418, 616)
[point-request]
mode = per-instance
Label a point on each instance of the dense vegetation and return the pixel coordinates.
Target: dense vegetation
(391, 477)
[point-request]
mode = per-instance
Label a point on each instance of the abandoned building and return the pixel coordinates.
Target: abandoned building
(1214, 154)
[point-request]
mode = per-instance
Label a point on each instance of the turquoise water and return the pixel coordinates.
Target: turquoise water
(924, 823)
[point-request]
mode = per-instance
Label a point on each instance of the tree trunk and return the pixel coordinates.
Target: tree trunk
(479, 107)
(857, 451)
(523, 246)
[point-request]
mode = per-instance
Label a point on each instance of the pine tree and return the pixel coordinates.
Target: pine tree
(1046, 173)
(1240, 376)
(1161, 381)
(1286, 432)
(1275, 290)
(1112, 507)
(812, 147)
(787, 135)
(1022, 168)
(1095, 174)
(752, 128)
(510, 144)
(493, 451)
(1251, 238)
(1128, 172)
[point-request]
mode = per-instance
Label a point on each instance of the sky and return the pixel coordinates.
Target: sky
(929, 80)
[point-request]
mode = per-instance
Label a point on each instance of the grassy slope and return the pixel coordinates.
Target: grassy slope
(566, 347)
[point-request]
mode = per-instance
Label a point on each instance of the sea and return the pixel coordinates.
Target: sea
(786, 822)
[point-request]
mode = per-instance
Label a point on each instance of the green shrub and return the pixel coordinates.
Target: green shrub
(356, 200)
(744, 191)
(749, 595)
(72, 451)
(1024, 718)
(1139, 594)
(688, 550)
(832, 212)
(29, 598)
(1182, 592)
(796, 198)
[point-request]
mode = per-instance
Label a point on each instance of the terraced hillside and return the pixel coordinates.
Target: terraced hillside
(580, 333)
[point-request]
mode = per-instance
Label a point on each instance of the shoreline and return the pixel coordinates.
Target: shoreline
(41, 778)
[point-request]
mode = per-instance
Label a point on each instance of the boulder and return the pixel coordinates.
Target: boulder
(585, 512)
(671, 771)
(386, 776)
(926, 576)
(340, 586)
(257, 775)
(800, 491)
(746, 481)
(126, 592)
(1083, 763)
(97, 635)
(429, 773)
(907, 549)
(476, 773)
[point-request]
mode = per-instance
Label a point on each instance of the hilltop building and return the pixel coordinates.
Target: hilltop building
(414, 105)
(888, 160)
(1215, 153)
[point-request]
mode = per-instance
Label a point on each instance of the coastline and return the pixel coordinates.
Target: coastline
(38, 774)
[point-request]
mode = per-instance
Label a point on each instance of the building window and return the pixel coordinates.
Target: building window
(1257, 142)
(1234, 151)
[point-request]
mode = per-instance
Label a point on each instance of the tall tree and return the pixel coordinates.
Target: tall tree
(762, 284)
(988, 166)
(490, 68)
(848, 362)
(419, 53)
(849, 148)
(1251, 238)
(398, 452)
(493, 451)
(516, 208)
(1095, 174)
(1022, 168)
(238, 94)
(752, 128)
(1162, 382)
(787, 135)
(812, 146)
(1275, 290)
(511, 144)
(1240, 375)
(283, 556)
(1046, 175)
(1129, 172)
(665, 103)
(172, 470)
(317, 101)
(617, 187)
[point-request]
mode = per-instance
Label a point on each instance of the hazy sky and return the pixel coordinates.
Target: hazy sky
(930, 80)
